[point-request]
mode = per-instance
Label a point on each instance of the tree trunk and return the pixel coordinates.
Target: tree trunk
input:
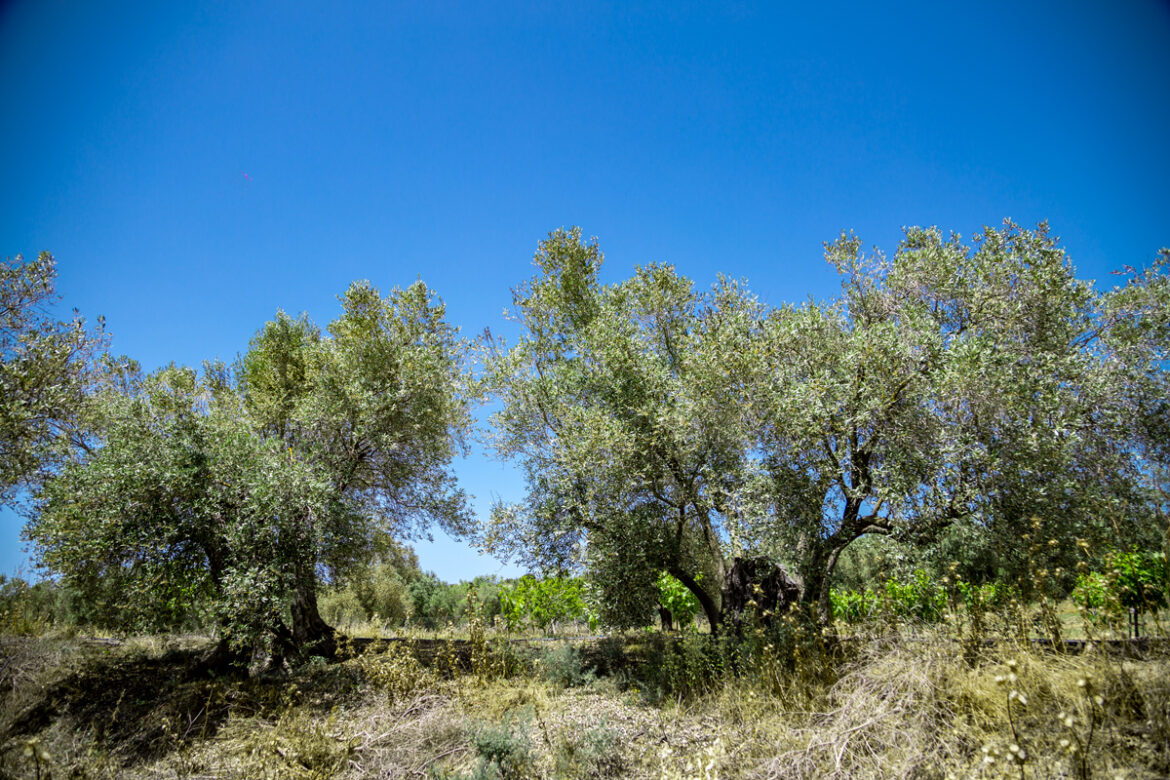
(818, 578)
(814, 594)
(219, 660)
(310, 633)
(760, 582)
(711, 609)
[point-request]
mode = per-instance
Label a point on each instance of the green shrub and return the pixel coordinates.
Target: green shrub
(987, 595)
(1141, 579)
(563, 666)
(684, 666)
(341, 606)
(544, 603)
(383, 593)
(920, 597)
(1092, 591)
(852, 606)
(504, 749)
(434, 603)
(677, 599)
(1134, 582)
(596, 753)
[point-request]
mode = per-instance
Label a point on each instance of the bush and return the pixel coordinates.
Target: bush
(383, 593)
(341, 606)
(1135, 582)
(920, 597)
(677, 599)
(434, 603)
(684, 667)
(851, 606)
(30, 610)
(396, 671)
(544, 603)
(563, 666)
(1141, 579)
(1092, 592)
(987, 595)
(504, 752)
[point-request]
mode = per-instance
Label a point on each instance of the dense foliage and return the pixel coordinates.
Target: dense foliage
(545, 603)
(968, 408)
(954, 395)
(48, 368)
(229, 499)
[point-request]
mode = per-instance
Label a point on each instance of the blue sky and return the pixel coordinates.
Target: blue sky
(391, 141)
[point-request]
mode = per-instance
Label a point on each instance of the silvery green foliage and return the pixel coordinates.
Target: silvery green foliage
(378, 402)
(948, 384)
(47, 370)
(977, 387)
(185, 513)
(617, 401)
(207, 499)
(1137, 332)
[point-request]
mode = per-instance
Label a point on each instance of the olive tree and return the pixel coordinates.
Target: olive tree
(185, 513)
(47, 370)
(377, 404)
(1137, 333)
(950, 387)
(613, 399)
(240, 492)
(947, 385)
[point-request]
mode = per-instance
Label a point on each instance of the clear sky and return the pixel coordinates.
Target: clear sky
(194, 167)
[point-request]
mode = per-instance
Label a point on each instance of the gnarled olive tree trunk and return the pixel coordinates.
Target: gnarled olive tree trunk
(757, 580)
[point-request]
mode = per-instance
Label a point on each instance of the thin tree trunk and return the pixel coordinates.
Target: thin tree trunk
(815, 593)
(666, 617)
(710, 608)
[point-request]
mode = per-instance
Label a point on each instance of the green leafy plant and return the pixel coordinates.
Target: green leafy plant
(853, 606)
(919, 597)
(678, 600)
(544, 603)
(1134, 583)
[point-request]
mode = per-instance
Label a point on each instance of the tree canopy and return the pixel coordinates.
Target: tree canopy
(954, 396)
(232, 495)
(48, 367)
(949, 390)
(613, 400)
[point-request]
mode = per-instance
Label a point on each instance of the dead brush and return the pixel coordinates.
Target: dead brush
(912, 708)
(885, 717)
(404, 737)
(295, 745)
(395, 671)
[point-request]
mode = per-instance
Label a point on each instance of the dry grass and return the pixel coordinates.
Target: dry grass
(896, 708)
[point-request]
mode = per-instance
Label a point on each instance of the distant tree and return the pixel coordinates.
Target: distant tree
(435, 603)
(381, 588)
(543, 603)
